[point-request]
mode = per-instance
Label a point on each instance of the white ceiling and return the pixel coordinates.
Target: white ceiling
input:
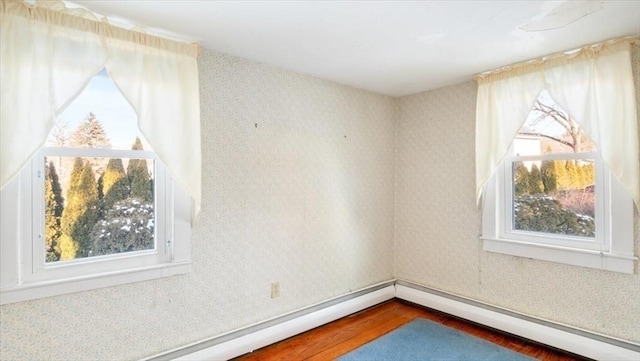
(389, 47)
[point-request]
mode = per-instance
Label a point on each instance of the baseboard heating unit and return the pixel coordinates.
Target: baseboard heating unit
(251, 338)
(574, 340)
(571, 339)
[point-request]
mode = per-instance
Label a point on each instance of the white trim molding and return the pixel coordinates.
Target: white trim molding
(611, 249)
(555, 335)
(25, 276)
(567, 338)
(253, 337)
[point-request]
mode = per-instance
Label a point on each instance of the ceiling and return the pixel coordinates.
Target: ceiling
(389, 47)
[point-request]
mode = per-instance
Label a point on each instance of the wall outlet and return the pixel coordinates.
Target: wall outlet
(275, 289)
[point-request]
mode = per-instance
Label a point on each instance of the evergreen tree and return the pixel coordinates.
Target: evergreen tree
(113, 184)
(127, 226)
(53, 212)
(535, 180)
(80, 213)
(580, 178)
(139, 178)
(548, 174)
(572, 175)
(90, 134)
(71, 212)
(101, 206)
(589, 174)
(520, 179)
(68, 247)
(562, 177)
(88, 219)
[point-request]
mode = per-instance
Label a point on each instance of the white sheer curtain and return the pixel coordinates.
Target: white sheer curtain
(48, 55)
(594, 85)
(42, 67)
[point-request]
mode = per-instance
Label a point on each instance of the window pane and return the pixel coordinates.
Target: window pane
(549, 129)
(98, 206)
(554, 196)
(99, 117)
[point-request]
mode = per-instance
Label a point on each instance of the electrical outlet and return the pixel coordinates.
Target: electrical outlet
(275, 289)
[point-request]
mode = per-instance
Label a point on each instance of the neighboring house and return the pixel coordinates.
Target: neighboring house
(527, 145)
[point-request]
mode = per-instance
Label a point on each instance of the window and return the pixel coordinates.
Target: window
(96, 207)
(75, 234)
(552, 197)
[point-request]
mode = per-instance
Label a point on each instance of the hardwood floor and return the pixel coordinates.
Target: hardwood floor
(339, 337)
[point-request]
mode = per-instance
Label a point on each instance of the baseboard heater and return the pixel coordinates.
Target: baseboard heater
(248, 339)
(571, 339)
(253, 337)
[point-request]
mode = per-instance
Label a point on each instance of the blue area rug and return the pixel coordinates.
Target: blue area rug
(426, 340)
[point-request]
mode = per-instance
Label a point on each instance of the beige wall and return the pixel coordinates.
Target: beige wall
(437, 227)
(297, 188)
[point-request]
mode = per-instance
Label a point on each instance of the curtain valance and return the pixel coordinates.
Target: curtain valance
(594, 85)
(50, 53)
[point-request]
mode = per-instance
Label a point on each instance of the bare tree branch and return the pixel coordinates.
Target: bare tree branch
(561, 118)
(559, 140)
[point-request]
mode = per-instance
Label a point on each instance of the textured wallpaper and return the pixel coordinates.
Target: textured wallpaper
(438, 224)
(299, 176)
(298, 187)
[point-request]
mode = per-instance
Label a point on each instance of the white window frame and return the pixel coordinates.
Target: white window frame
(611, 250)
(25, 275)
(506, 231)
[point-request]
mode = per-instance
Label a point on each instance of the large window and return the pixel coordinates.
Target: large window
(107, 200)
(98, 182)
(553, 181)
(554, 199)
(560, 188)
(97, 204)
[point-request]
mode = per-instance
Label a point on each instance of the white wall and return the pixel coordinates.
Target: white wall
(297, 188)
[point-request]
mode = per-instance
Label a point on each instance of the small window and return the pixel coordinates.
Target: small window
(554, 199)
(98, 205)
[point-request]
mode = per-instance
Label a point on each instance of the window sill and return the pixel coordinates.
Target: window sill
(577, 257)
(42, 289)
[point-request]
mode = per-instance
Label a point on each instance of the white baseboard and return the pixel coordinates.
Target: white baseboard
(255, 337)
(251, 338)
(520, 326)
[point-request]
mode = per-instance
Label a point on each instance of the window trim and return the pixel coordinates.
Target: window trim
(17, 224)
(506, 231)
(618, 234)
(42, 271)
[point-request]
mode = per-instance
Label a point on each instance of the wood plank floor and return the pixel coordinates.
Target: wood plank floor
(339, 337)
